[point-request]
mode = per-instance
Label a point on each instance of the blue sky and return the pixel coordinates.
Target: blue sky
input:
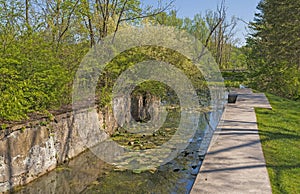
(244, 9)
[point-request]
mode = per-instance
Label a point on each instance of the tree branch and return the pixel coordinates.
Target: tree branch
(119, 19)
(212, 31)
(68, 23)
(149, 15)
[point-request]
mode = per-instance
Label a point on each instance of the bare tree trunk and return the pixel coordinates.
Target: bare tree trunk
(91, 32)
(61, 32)
(103, 9)
(27, 12)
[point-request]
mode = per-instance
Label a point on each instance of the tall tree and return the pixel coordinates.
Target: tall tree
(275, 47)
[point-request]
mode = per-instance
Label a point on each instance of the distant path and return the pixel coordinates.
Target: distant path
(235, 162)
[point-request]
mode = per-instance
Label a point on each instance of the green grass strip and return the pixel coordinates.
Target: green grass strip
(279, 131)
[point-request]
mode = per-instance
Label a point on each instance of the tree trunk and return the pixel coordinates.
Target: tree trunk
(27, 12)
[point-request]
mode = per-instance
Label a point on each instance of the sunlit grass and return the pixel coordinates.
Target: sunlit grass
(280, 134)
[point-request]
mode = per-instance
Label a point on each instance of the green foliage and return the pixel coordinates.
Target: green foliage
(3, 126)
(39, 54)
(31, 79)
(235, 78)
(139, 54)
(170, 19)
(237, 59)
(220, 41)
(274, 48)
(279, 131)
(153, 87)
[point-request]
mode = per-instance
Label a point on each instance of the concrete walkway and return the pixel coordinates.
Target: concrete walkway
(235, 162)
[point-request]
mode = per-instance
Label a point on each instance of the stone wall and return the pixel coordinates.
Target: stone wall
(30, 150)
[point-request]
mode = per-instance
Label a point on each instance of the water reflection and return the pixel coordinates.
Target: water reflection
(88, 174)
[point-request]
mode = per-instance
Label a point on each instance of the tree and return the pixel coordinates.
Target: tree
(43, 42)
(275, 48)
(221, 34)
(212, 29)
(106, 16)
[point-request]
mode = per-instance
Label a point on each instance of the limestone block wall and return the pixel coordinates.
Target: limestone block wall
(30, 150)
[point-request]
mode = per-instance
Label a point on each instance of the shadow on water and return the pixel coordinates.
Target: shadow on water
(88, 174)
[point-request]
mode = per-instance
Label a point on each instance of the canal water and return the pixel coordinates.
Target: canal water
(89, 174)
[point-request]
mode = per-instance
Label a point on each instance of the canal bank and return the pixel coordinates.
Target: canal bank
(88, 174)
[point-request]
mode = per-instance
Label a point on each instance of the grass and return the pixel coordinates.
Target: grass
(280, 135)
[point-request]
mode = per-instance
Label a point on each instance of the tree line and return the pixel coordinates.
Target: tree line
(274, 48)
(43, 43)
